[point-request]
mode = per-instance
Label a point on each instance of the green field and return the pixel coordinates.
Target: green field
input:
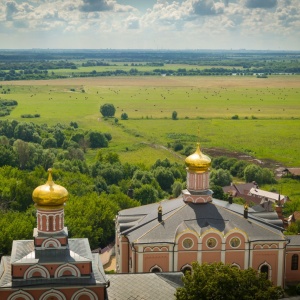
(268, 110)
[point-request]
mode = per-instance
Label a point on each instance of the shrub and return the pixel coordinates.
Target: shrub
(124, 116)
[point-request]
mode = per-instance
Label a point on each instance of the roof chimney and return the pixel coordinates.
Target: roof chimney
(159, 214)
(246, 211)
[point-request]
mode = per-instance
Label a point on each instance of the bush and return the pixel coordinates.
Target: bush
(235, 117)
(298, 289)
(107, 110)
(124, 116)
(177, 146)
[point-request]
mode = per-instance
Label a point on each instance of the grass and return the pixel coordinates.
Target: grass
(201, 102)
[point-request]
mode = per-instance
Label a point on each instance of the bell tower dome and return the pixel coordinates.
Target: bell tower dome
(49, 200)
(198, 171)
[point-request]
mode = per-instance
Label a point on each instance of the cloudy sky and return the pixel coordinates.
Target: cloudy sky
(150, 24)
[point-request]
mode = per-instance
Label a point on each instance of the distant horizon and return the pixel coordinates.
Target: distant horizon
(272, 25)
(146, 49)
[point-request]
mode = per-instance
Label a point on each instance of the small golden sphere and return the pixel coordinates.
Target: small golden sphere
(198, 162)
(50, 195)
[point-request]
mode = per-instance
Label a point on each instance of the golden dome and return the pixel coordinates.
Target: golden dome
(198, 162)
(50, 195)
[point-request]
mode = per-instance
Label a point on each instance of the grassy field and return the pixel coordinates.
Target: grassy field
(268, 109)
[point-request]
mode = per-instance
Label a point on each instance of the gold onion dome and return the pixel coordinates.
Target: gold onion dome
(198, 162)
(50, 195)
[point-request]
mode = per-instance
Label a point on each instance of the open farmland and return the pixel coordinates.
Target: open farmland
(268, 111)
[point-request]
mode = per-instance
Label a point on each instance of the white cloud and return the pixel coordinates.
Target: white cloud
(195, 23)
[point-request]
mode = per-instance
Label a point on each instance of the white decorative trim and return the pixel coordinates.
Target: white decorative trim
(155, 267)
(213, 239)
(231, 240)
(185, 240)
(36, 268)
(67, 267)
(51, 241)
(186, 266)
(236, 265)
(19, 294)
(53, 293)
(269, 271)
(84, 292)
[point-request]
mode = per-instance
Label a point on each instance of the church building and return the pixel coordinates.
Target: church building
(52, 266)
(170, 235)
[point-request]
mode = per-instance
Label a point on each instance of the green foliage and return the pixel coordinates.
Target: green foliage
(49, 143)
(146, 194)
(260, 175)
(97, 140)
(217, 161)
(174, 115)
(176, 188)
(107, 110)
(164, 177)
(291, 206)
(7, 156)
(237, 169)
(293, 228)
(218, 281)
(177, 146)
(124, 116)
(91, 216)
(218, 192)
(235, 117)
(15, 226)
(298, 289)
(220, 177)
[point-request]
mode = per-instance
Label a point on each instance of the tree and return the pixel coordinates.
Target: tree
(218, 192)
(220, 177)
(164, 177)
(91, 216)
(174, 115)
(145, 194)
(97, 140)
(176, 188)
(49, 143)
(124, 116)
(237, 169)
(107, 110)
(253, 173)
(219, 281)
(14, 226)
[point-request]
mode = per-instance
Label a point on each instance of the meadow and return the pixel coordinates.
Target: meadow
(268, 113)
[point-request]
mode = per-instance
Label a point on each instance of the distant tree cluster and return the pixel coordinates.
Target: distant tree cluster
(27, 145)
(6, 106)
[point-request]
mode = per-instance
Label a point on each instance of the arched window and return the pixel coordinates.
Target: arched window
(295, 259)
(186, 268)
(156, 269)
(265, 269)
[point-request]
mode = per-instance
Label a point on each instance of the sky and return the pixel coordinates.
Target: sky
(150, 24)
